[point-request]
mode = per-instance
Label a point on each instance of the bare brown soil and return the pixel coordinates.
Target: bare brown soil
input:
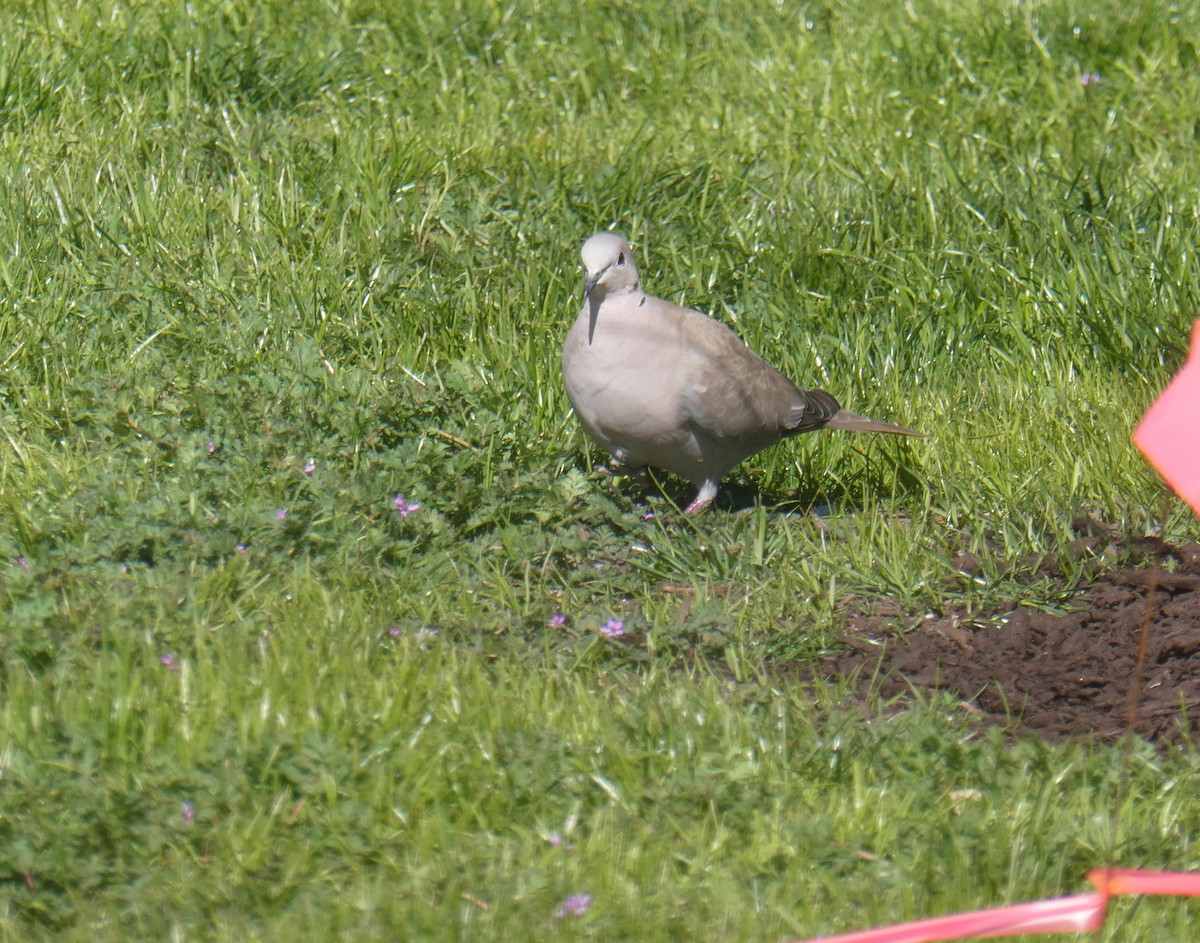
(1057, 676)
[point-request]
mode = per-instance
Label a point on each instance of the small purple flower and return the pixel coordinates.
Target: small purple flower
(613, 628)
(240, 548)
(211, 446)
(574, 906)
(310, 467)
(281, 514)
(405, 508)
(554, 839)
(557, 621)
(1090, 78)
(168, 662)
(395, 631)
(22, 562)
(187, 812)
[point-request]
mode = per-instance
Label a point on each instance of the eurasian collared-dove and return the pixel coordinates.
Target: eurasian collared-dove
(656, 384)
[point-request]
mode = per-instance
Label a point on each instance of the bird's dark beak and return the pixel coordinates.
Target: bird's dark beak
(593, 304)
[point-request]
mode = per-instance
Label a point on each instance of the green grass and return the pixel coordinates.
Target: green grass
(237, 239)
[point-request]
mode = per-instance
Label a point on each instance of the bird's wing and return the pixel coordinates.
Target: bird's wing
(728, 390)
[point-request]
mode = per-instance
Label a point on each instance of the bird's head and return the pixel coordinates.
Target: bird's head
(609, 267)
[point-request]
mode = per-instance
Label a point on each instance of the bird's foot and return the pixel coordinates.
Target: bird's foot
(616, 468)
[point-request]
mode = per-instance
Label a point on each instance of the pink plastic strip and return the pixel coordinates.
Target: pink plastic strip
(1062, 915)
(1125, 881)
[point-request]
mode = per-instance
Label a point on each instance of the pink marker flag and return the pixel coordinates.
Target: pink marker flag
(1169, 434)
(1076, 914)
(1061, 915)
(1126, 881)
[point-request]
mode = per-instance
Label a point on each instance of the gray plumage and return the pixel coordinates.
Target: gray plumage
(656, 384)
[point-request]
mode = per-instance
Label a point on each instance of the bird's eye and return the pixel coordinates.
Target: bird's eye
(620, 258)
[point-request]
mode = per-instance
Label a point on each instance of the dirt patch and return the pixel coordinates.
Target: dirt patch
(1057, 676)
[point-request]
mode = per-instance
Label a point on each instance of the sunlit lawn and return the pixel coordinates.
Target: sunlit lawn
(272, 274)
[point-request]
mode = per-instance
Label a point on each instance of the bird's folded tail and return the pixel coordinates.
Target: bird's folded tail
(855, 423)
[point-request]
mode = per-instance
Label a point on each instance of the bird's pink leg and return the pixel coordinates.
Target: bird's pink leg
(704, 497)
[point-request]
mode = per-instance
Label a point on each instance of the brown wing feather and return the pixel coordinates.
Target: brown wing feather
(816, 409)
(732, 393)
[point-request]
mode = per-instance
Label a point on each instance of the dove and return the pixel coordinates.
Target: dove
(658, 385)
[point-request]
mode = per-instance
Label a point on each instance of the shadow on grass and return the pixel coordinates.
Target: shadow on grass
(868, 481)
